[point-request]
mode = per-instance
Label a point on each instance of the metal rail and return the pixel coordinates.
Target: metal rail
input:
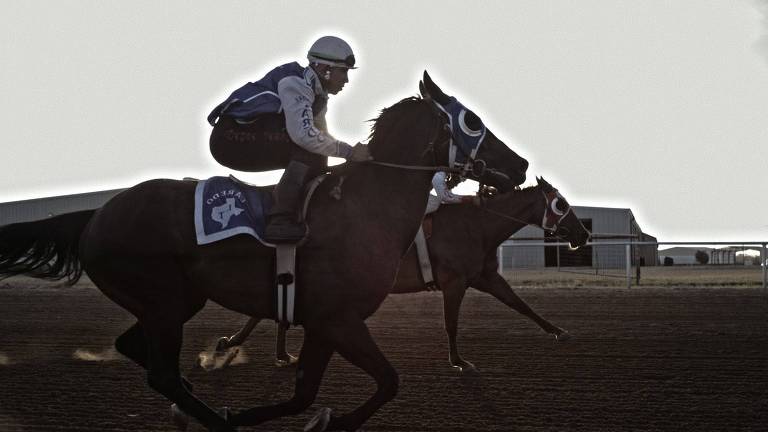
(531, 241)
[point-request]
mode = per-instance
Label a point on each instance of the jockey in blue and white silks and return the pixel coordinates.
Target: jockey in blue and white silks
(279, 122)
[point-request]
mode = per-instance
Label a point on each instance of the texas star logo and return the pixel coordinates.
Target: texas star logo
(224, 212)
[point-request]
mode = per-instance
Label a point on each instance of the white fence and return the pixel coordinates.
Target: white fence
(629, 262)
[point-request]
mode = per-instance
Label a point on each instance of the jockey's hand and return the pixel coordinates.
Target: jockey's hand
(360, 153)
(471, 200)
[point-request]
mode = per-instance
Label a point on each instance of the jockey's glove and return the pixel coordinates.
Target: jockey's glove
(359, 153)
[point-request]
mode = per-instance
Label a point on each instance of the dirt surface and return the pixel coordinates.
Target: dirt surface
(641, 359)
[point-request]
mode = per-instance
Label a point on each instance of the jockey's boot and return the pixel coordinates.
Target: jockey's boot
(283, 225)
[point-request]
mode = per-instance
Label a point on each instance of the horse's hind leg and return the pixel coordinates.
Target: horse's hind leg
(495, 285)
(164, 337)
(453, 294)
(313, 359)
(134, 345)
(352, 340)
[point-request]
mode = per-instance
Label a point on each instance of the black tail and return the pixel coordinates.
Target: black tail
(46, 249)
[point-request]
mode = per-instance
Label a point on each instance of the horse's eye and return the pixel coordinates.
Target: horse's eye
(470, 122)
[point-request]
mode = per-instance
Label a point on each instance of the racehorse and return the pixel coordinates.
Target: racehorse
(140, 250)
(463, 248)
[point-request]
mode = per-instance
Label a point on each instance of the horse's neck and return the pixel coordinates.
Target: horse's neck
(385, 204)
(397, 196)
(508, 213)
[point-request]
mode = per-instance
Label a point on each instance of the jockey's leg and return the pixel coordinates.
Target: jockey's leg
(284, 225)
(284, 218)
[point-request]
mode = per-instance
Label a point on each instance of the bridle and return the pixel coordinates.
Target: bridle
(476, 167)
(552, 215)
(551, 219)
(441, 125)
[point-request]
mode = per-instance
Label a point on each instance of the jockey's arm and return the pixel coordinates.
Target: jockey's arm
(296, 99)
(445, 194)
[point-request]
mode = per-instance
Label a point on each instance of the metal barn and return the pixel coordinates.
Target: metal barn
(525, 249)
(41, 208)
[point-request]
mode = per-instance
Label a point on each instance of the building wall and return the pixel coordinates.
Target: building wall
(611, 221)
(41, 208)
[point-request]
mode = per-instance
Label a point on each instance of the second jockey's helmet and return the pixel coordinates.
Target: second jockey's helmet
(333, 51)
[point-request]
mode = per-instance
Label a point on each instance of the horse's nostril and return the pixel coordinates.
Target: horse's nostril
(524, 165)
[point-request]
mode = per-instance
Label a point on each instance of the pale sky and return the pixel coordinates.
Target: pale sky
(659, 106)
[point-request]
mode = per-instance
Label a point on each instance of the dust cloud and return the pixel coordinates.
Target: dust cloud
(109, 354)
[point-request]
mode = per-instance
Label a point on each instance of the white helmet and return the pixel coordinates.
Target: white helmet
(332, 51)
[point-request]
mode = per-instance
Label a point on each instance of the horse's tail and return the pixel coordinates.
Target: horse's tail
(46, 249)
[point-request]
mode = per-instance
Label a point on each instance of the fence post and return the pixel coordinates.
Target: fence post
(763, 257)
(628, 265)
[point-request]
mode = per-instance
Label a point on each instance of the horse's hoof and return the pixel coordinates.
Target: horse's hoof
(225, 413)
(210, 361)
(464, 367)
(222, 344)
(319, 422)
(285, 362)
(179, 417)
(563, 337)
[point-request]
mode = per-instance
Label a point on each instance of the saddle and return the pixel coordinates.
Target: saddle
(227, 206)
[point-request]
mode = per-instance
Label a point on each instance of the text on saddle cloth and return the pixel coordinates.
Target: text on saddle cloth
(226, 206)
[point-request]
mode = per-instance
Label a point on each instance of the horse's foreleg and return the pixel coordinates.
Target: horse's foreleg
(494, 284)
(453, 294)
(353, 341)
(238, 338)
(313, 359)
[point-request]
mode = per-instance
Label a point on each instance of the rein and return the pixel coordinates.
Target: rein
(512, 218)
(416, 167)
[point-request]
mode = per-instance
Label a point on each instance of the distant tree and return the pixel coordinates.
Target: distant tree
(668, 261)
(702, 257)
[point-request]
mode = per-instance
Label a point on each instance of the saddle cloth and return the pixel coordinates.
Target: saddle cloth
(226, 206)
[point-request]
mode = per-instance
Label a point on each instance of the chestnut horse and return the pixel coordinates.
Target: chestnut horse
(463, 249)
(140, 250)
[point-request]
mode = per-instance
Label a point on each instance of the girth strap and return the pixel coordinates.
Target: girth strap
(422, 252)
(286, 282)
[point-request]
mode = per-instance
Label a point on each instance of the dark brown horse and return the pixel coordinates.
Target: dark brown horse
(139, 249)
(463, 249)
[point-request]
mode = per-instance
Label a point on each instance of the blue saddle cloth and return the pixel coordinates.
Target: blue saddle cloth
(225, 206)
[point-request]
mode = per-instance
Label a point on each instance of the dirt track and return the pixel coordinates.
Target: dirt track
(640, 359)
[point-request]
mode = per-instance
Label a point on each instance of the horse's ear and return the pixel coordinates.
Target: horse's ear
(544, 184)
(423, 91)
(435, 91)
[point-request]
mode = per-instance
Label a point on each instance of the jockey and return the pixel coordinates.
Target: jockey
(279, 122)
(444, 195)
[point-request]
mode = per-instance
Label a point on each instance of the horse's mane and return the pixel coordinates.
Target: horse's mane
(388, 117)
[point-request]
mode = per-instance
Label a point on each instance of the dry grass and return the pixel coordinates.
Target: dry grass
(674, 276)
